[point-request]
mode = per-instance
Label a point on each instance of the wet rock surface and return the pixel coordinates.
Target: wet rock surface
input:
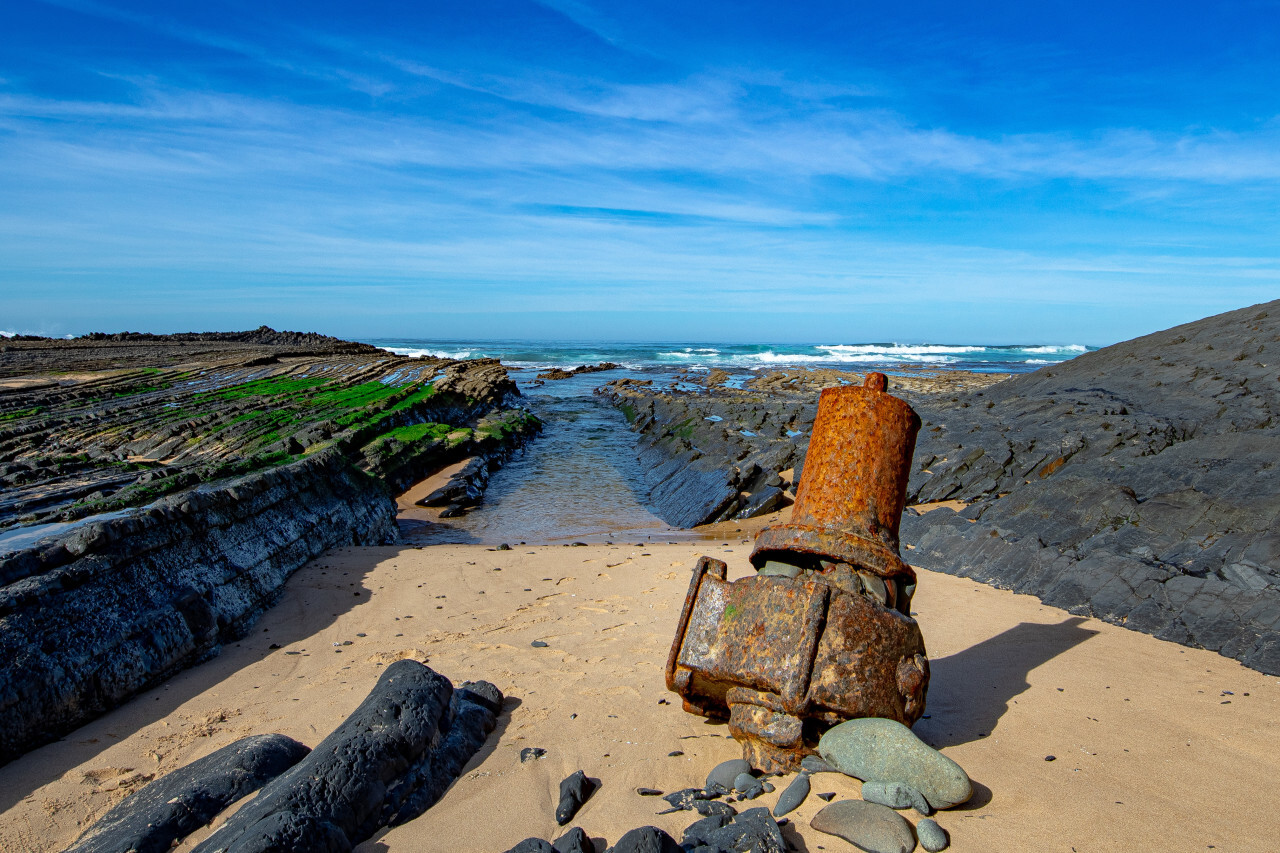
(1136, 484)
(390, 761)
(173, 807)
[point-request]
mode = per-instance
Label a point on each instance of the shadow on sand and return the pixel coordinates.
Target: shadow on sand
(970, 691)
(328, 594)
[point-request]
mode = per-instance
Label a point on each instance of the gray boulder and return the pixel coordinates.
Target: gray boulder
(868, 826)
(879, 750)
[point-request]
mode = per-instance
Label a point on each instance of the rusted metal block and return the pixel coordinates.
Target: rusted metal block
(824, 633)
(769, 653)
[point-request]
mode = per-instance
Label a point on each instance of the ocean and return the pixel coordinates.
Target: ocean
(580, 479)
(540, 355)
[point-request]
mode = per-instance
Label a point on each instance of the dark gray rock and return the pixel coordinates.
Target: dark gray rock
(573, 841)
(574, 791)
(879, 750)
(531, 753)
(793, 795)
(646, 839)
(753, 831)
(532, 845)
(1135, 484)
(174, 806)
(933, 838)
(700, 452)
(868, 826)
(708, 808)
(747, 786)
(387, 763)
(697, 833)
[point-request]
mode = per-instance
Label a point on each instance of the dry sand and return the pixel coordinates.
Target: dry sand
(1157, 747)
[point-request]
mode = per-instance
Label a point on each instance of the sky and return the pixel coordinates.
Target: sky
(990, 172)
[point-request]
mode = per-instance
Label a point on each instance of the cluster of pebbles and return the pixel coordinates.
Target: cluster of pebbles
(897, 769)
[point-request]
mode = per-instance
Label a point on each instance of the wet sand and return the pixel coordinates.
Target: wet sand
(1157, 747)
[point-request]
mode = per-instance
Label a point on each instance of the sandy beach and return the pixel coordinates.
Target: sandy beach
(1157, 746)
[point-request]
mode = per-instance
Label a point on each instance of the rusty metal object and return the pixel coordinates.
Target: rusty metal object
(849, 503)
(823, 633)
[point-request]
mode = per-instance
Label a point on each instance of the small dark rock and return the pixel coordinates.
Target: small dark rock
(531, 753)
(827, 796)
(532, 845)
(648, 792)
(574, 791)
(538, 644)
(699, 831)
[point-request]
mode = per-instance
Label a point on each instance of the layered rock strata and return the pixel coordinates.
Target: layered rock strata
(96, 615)
(714, 451)
(151, 511)
(1137, 483)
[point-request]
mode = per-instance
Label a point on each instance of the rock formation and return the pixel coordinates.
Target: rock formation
(1137, 483)
(158, 491)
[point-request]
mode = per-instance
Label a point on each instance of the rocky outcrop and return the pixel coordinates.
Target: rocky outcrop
(705, 457)
(150, 514)
(173, 807)
(390, 761)
(1137, 483)
(97, 613)
(720, 452)
(28, 355)
(560, 373)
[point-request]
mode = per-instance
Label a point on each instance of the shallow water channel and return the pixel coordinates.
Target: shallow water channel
(578, 481)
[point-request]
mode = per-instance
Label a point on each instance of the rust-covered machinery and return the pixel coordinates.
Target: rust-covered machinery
(823, 632)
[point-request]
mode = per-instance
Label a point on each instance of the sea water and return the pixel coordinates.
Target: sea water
(580, 479)
(703, 356)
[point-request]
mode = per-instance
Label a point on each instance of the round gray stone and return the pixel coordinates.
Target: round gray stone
(725, 772)
(933, 838)
(869, 826)
(879, 750)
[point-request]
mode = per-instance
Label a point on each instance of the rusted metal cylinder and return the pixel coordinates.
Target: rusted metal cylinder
(850, 499)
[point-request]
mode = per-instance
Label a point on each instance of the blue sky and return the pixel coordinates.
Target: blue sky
(837, 172)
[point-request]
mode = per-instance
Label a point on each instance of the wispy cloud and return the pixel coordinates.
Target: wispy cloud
(565, 183)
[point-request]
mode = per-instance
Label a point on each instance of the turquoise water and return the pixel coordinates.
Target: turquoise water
(641, 355)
